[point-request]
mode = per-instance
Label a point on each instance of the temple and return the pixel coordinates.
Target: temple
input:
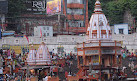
(99, 28)
(39, 65)
(99, 56)
(39, 57)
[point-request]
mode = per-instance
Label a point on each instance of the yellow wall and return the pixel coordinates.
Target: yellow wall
(35, 46)
(18, 49)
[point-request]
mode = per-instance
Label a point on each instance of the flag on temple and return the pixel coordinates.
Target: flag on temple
(26, 38)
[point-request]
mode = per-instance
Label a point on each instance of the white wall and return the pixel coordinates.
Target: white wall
(67, 41)
(130, 41)
(44, 29)
(121, 26)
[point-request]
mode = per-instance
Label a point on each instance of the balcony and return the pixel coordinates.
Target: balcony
(75, 16)
(101, 43)
(75, 5)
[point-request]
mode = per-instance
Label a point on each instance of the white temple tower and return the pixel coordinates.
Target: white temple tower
(98, 25)
(39, 57)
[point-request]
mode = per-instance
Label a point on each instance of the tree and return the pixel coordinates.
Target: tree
(15, 7)
(115, 9)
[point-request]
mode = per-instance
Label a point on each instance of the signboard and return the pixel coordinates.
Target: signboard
(35, 6)
(53, 6)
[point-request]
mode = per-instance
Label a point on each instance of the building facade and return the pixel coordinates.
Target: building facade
(76, 12)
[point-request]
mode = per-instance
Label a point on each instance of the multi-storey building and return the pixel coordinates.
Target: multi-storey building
(76, 12)
(66, 16)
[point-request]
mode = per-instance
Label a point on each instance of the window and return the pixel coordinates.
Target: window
(121, 31)
(76, 23)
(17, 41)
(47, 34)
(47, 28)
(75, 1)
(44, 28)
(75, 11)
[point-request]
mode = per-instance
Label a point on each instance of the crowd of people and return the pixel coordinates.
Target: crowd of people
(12, 62)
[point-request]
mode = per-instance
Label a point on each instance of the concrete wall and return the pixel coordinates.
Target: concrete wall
(66, 41)
(130, 41)
(69, 42)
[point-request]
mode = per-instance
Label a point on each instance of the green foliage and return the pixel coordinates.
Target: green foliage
(15, 7)
(91, 4)
(115, 9)
(133, 8)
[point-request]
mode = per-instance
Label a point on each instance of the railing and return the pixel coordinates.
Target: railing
(108, 51)
(107, 43)
(96, 43)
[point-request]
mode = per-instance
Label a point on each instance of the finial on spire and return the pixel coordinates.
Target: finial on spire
(98, 6)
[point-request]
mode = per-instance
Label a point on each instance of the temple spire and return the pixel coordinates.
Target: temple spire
(98, 8)
(99, 28)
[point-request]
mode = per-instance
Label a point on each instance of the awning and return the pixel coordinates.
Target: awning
(5, 34)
